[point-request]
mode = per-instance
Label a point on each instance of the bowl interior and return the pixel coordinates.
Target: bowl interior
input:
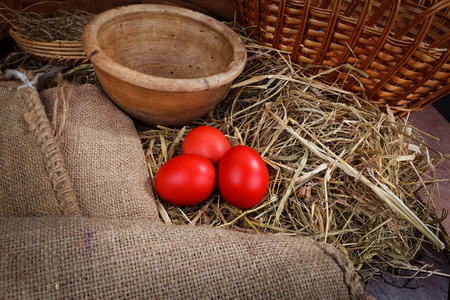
(165, 45)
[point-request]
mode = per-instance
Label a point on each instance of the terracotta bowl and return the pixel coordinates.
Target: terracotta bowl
(163, 65)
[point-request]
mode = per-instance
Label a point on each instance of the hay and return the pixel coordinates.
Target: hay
(22, 61)
(340, 170)
(62, 26)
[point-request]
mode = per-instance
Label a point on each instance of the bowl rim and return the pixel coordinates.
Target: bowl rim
(108, 65)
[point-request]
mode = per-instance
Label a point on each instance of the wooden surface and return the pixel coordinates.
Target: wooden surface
(433, 123)
(434, 287)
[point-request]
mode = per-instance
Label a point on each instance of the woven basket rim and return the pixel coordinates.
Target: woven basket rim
(58, 52)
(26, 40)
(397, 51)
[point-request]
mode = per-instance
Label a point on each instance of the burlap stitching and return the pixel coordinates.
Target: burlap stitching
(60, 94)
(54, 163)
(102, 153)
(351, 278)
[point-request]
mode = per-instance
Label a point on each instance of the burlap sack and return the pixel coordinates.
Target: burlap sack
(72, 258)
(102, 152)
(33, 178)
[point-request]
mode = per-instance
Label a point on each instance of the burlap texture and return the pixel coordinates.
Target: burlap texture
(33, 177)
(102, 152)
(138, 259)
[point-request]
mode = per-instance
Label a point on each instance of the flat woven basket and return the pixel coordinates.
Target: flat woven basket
(400, 48)
(58, 52)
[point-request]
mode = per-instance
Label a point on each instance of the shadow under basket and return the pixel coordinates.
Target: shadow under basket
(58, 52)
(399, 49)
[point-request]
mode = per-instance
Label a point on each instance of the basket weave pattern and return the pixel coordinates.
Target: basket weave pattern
(60, 53)
(402, 46)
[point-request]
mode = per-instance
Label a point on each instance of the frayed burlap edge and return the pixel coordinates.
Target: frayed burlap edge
(351, 278)
(39, 124)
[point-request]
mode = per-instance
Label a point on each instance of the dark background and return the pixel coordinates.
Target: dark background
(443, 106)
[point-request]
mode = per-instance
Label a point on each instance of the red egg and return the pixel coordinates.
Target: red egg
(243, 177)
(206, 141)
(185, 180)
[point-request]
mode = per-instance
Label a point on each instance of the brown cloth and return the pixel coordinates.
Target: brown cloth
(33, 177)
(87, 159)
(102, 152)
(72, 258)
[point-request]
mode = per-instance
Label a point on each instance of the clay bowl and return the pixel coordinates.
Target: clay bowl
(163, 65)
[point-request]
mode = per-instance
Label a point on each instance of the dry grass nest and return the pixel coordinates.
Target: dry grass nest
(340, 170)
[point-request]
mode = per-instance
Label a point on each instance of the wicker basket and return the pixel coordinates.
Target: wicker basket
(60, 53)
(402, 46)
